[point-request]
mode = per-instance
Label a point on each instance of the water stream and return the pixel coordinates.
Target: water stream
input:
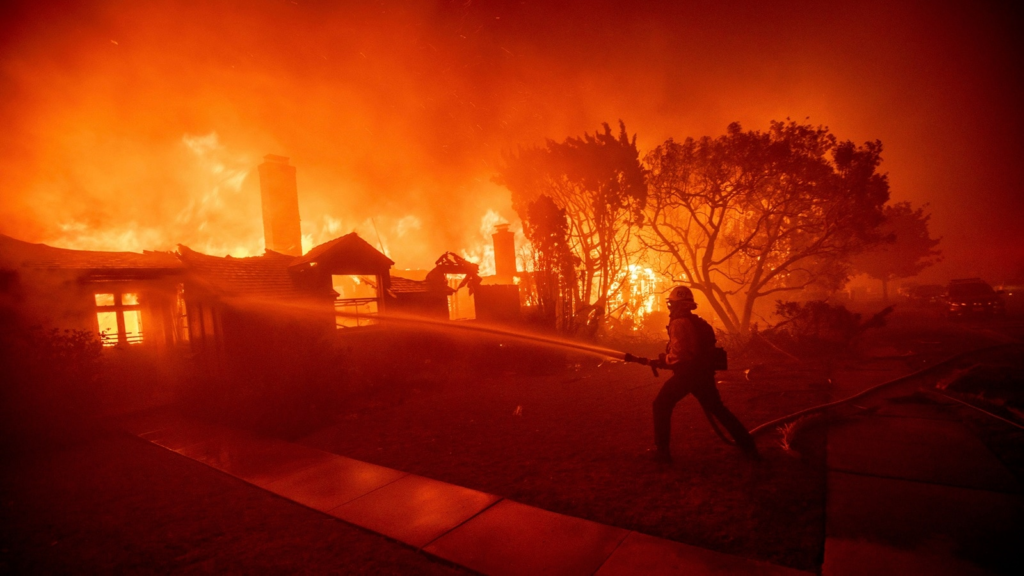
(484, 329)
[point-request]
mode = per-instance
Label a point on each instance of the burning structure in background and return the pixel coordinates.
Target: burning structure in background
(136, 126)
(225, 305)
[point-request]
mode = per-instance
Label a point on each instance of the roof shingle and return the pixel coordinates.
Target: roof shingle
(257, 276)
(401, 285)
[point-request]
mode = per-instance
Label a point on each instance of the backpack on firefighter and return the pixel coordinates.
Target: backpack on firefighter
(716, 356)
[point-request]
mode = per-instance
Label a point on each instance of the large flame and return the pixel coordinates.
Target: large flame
(139, 125)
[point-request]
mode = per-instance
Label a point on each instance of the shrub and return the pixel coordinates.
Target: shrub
(813, 327)
(53, 377)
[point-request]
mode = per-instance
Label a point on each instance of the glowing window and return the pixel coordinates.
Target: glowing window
(133, 326)
(108, 327)
(358, 297)
(119, 318)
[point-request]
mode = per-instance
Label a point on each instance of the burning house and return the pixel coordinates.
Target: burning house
(226, 306)
(126, 297)
(240, 307)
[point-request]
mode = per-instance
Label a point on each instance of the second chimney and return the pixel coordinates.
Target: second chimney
(504, 254)
(281, 230)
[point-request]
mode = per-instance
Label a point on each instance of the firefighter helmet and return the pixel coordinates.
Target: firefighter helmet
(682, 295)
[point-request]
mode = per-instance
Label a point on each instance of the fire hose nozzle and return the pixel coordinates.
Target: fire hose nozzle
(627, 357)
(654, 364)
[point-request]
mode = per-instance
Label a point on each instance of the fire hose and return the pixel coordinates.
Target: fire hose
(826, 406)
(660, 363)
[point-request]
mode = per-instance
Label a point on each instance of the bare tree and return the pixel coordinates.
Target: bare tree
(752, 214)
(598, 181)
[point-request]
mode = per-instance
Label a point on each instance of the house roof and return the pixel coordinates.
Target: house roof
(271, 275)
(401, 285)
(348, 254)
(278, 275)
(256, 276)
(19, 254)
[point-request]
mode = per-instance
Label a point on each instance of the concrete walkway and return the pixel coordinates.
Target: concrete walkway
(912, 491)
(483, 532)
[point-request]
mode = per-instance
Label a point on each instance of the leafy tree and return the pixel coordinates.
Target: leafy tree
(752, 214)
(598, 181)
(906, 249)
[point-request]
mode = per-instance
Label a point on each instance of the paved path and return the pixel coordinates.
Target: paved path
(912, 491)
(483, 532)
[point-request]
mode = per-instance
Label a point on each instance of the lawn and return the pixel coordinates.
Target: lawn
(571, 440)
(558, 432)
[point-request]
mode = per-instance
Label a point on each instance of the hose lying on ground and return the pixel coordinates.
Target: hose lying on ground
(969, 405)
(823, 407)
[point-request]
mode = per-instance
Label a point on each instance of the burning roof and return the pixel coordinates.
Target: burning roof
(401, 285)
(19, 254)
(257, 276)
(350, 253)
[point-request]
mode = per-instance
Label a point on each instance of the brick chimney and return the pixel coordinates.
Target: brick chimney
(504, 254)
(280, 206)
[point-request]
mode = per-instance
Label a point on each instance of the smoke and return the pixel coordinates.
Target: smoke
(139, 125)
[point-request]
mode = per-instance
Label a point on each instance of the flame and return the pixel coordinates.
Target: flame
(392, 109)
(482, 252)
(637, 293)
(212, 215)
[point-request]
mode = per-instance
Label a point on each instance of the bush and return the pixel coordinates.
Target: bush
(813, 327)
(53, 378)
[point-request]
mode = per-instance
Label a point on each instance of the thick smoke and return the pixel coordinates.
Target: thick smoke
(139, 125)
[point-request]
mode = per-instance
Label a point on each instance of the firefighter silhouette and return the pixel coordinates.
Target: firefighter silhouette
(692, 356)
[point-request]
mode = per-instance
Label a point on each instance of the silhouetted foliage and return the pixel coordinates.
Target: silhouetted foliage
(50, 384)
(547, 228)
(817, 321)
(598, 181)
(752, 214)
(818, 327)
(906, 249)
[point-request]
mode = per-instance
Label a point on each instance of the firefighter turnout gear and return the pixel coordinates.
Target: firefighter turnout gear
(691, 355)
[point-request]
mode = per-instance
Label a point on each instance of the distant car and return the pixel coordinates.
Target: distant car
(973, 297)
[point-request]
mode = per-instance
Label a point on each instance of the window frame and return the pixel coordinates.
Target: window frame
(119, 308)
(340, 303)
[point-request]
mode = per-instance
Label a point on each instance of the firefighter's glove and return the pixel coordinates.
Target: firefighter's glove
(657, 363)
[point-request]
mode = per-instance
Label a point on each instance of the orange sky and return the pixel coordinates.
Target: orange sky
(137, 124)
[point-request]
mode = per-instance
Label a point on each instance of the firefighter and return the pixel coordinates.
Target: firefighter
(691, 343)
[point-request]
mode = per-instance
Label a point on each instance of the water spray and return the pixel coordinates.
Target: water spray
(600, 351)
(654, 364)
(447, 325)
(554, 342)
